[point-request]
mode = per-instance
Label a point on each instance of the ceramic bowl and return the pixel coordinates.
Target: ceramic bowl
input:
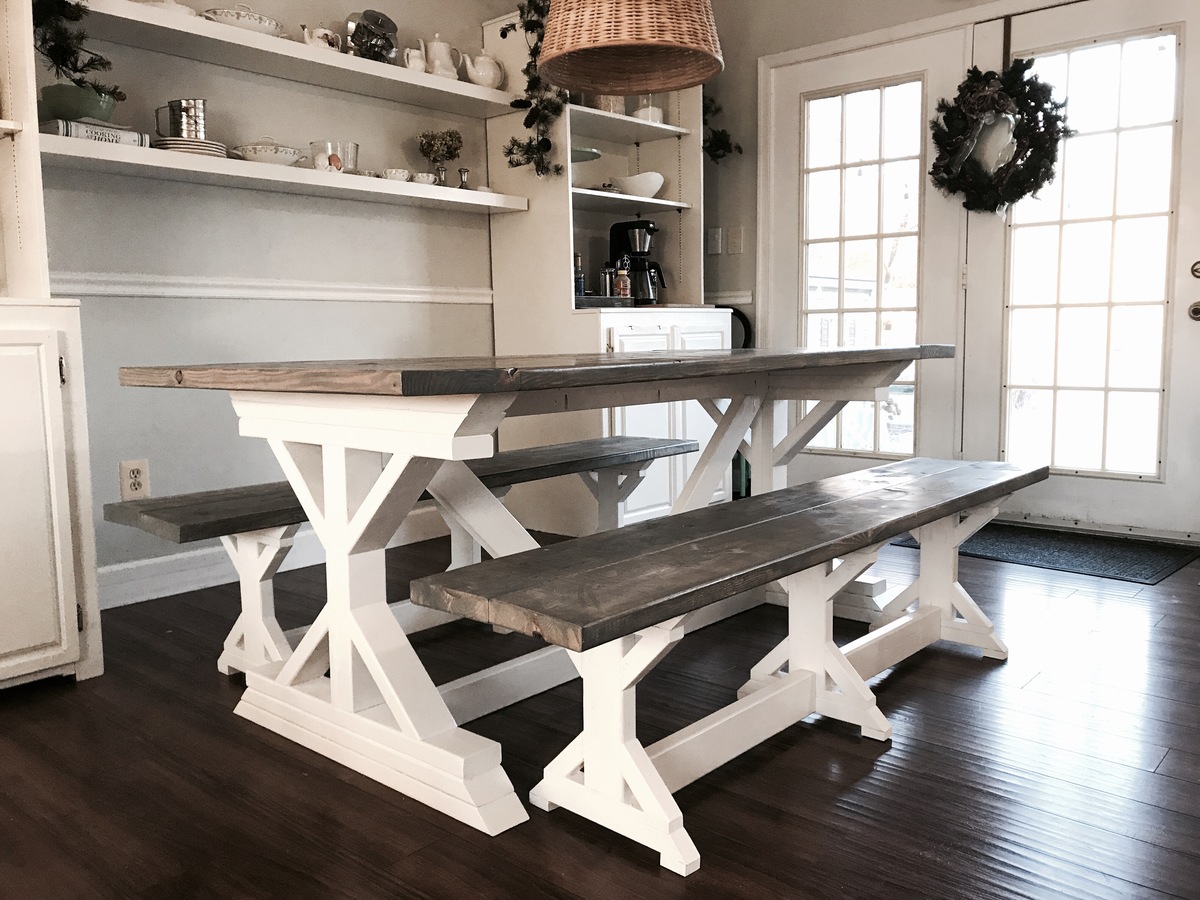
(397, 174)
(647, 184)
(424, 178)
(170, 6)
(242, 16)
(268, 150)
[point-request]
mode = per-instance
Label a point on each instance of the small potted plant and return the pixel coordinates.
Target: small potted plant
(439, 147)
(59, 39)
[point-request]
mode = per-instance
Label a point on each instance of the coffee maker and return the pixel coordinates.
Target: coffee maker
(633, 239)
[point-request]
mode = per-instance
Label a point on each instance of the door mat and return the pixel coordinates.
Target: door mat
(1108, 556)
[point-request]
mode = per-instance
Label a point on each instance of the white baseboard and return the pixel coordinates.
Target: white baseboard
(191, 570)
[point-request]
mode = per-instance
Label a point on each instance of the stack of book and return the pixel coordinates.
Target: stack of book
(94, 130)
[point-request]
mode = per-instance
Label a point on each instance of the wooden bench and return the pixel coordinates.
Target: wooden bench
(257, 523)
(620, 600)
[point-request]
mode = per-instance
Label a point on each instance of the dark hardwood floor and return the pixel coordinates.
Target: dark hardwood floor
(1072, 770)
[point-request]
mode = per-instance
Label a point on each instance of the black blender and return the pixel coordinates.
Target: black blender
(633, 240)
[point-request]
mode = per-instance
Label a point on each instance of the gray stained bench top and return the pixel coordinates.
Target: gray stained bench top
(593, 589)
(492, 374)
(184, 518)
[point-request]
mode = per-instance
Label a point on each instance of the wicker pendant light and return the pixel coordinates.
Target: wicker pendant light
(630, 46)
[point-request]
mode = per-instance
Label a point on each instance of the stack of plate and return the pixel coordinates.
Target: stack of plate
(190, 145)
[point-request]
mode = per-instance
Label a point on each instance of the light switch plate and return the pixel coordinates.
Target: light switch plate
(714, 241)
(736, 237)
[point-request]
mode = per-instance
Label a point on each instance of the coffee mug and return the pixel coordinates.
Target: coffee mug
(185, 119)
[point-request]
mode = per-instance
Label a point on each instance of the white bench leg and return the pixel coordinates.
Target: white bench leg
(611, 487)
(256, 638)
(604, 774)
(937, 585)
(841, 692)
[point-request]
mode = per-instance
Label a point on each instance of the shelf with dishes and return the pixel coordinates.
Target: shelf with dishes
(168, 165)
(593, 200)
(618, 128)
(164, 30)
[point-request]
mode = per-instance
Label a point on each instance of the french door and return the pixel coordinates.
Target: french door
(859, 249)
(1070, 313)
(1097, 358)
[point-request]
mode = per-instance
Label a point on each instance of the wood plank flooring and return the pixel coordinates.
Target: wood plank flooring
(1072, 770)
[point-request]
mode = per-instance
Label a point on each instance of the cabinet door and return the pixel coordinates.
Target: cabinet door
(655, 494)
(693, 421)
(37, 578)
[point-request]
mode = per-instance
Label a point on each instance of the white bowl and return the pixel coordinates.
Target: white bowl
(244, 17)
(424, 178)
(397, 174)
(647, 184)
(170, 6)
(267, 150)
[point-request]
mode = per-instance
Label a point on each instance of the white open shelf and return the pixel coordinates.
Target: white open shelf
(169, 165)
(593, 123)
(8, 127)
(621, 204)
(194, 37)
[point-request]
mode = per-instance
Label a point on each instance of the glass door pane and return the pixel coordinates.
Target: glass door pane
(860, 246)
(1088, 267)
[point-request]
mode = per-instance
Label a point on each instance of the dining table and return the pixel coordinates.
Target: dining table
(360, 441)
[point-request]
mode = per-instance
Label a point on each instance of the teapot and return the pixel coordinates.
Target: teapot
(415, 59)
(322, 37)
(484, 70)
(440, 57)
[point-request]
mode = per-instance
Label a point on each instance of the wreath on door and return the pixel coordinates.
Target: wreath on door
(998, 140)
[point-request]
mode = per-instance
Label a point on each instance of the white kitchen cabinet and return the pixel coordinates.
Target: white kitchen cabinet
(49, 615)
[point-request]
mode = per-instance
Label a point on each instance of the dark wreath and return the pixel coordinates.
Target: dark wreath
(974, 158)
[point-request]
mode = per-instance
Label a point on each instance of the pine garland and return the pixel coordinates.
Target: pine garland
(544, 102)
(62, 45)
(1040, 126)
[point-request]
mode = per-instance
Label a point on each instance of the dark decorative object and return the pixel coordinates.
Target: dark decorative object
(60, 42)
(717, 143)
(372, 35)
(543, 102)
(998, 140)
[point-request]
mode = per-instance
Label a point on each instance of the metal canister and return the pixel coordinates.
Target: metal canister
(608, 277)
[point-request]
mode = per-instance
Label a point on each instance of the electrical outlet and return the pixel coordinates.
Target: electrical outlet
(714, 241)
(135, 479)
(735, 237)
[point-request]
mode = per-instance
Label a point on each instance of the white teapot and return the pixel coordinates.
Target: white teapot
(440, 57)
(484, 70)
(415, 59)
(322, 37)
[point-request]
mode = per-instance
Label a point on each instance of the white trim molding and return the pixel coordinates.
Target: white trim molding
(191, 570)
(181, 287)
(729, 298)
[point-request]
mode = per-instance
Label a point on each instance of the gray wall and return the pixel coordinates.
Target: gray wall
(182, 235)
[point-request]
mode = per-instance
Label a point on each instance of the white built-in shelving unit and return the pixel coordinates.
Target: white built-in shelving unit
(194, 37)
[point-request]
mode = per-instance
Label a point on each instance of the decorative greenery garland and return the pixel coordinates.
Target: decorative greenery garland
(544, 102)
(57, 39)
(988, 100)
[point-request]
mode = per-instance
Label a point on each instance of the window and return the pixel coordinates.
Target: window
(860, 245)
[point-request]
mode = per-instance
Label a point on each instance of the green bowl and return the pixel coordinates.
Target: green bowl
(71, 102)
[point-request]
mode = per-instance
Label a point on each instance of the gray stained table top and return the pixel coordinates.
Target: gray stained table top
(501, 374)
(590, 590)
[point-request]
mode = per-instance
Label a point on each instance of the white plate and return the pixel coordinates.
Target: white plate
(245, 17)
